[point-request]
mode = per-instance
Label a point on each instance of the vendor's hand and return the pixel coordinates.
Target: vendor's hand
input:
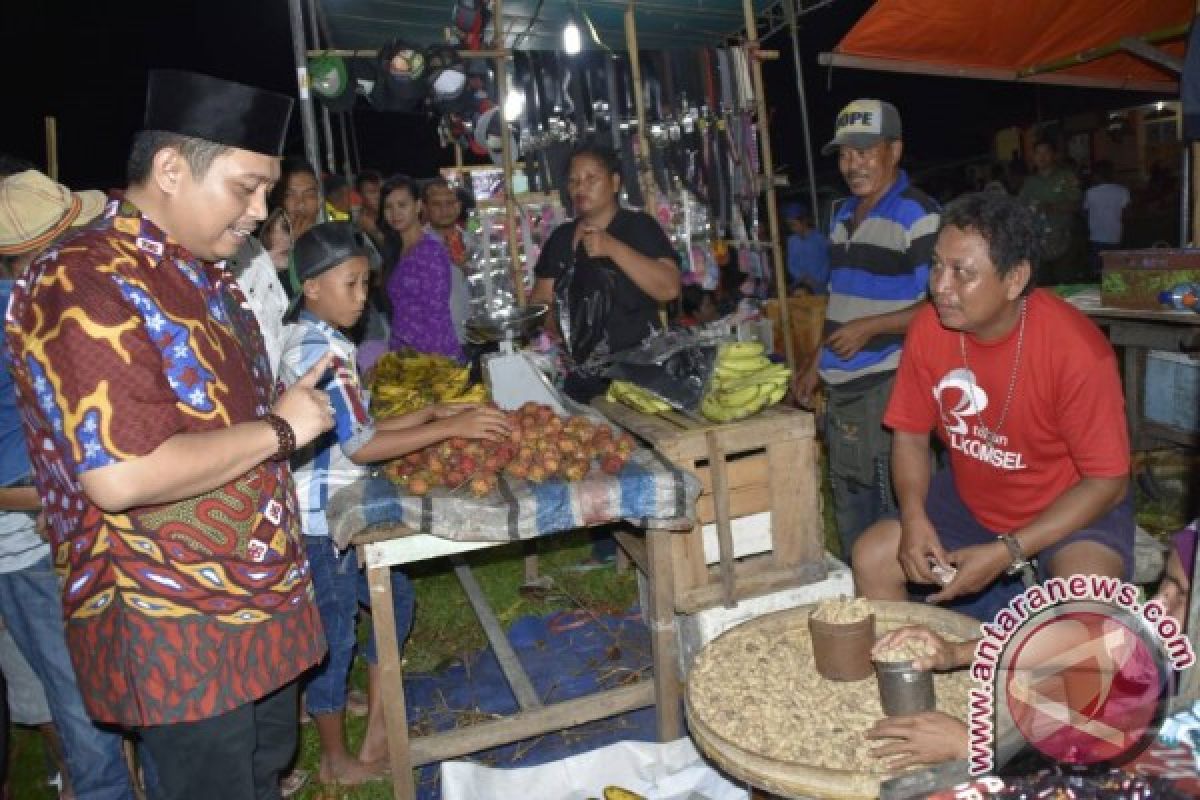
(919, 544)
(804, 386)
(978, 567)
(597, 242)
(305, 407)
(42, 526)
(930, 737)
(1172, 591)
(847, 340)
(482, 423)
(945, 654)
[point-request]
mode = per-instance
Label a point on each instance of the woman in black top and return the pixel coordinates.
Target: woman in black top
(604, 274)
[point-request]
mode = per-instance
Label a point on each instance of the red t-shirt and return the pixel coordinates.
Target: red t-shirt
(1066, 419)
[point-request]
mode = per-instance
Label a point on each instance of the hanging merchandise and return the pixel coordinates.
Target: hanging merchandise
(447, 75)
(401, 84)
(331, 82)
(470, 22)
(489, 130)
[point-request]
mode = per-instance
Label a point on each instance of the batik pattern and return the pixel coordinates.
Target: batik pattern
(120, 339)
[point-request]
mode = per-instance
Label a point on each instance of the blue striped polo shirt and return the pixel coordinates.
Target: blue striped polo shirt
(880, 267)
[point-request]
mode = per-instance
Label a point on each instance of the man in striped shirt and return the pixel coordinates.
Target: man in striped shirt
(880, 246)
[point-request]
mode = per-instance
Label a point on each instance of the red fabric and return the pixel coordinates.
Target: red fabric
(1017, 34)
(181, 611)
(1066, 420)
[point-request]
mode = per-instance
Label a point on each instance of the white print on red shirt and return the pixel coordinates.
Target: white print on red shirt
(960, 396)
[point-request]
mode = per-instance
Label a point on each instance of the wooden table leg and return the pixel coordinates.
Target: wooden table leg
(664, 645)
(391, 675)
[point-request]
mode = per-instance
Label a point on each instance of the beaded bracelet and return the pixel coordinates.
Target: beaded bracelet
(285, 435)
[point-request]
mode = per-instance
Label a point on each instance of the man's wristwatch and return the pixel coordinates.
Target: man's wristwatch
(1018, 562)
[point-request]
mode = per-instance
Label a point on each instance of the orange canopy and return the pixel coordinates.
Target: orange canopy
(999, 39)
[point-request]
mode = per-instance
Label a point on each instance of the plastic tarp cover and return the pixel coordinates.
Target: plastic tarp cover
(669, 771)
(1016, 34)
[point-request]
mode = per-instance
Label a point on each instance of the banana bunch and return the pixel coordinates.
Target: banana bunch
(744, 382)
(636, 397)
(408, 381)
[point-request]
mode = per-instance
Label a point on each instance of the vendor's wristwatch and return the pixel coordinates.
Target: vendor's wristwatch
(1018, 562)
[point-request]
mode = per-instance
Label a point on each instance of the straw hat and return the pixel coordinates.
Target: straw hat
(35, 210)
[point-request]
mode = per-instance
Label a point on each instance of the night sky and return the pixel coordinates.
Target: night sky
(86, 63)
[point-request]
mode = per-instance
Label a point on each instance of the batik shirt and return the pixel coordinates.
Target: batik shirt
(121, 339)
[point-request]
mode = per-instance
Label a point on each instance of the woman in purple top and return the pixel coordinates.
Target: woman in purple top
(416, 275)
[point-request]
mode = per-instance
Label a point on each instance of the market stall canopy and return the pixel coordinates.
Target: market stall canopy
(1075, 42)
(538, 24)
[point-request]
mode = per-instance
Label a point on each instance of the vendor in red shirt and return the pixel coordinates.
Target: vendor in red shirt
(1022, 389)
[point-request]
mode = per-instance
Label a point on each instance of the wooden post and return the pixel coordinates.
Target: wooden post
(395, 717)
(768, 168)
(52, 147)
(649, 190)
(514, 252)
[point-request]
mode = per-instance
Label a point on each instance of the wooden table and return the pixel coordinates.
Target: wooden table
(381, 550)
(1137, 333)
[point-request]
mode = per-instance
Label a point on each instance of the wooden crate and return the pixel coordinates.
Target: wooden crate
(765, 463)
(807, 315)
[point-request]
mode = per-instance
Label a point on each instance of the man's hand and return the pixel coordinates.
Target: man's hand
(306, 408)
(804, 385)
(919, 544)
(978, 567)
(945, 654)
(847, 340)
(42, 526)
(930, 737)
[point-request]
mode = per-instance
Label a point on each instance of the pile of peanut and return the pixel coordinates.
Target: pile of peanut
(910, 650)
(759, 690)
(842, 610)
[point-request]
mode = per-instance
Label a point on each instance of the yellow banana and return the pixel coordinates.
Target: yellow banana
(741, 350)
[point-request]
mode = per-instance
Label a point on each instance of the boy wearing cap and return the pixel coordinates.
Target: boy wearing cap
(332, 276)
(34, 212)
(880, 248)
(159, 447)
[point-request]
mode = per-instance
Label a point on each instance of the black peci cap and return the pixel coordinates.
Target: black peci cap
(217, 110)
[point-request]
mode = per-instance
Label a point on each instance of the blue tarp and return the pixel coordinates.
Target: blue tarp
(567, 654)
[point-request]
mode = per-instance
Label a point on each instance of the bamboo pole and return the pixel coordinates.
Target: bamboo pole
(52, 147)
(308, 118)
(493, 53)
(514, 253)
(1094, 53)
(649, 190)
(768, 168)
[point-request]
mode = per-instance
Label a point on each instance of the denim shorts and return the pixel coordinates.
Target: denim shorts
(957, 528)
(341, 589)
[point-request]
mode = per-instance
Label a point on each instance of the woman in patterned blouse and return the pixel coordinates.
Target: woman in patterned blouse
(416, 275)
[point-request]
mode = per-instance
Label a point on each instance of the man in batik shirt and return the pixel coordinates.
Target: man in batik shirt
(159, 450)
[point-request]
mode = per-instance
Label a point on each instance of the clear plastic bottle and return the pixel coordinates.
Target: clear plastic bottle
(1181, 297)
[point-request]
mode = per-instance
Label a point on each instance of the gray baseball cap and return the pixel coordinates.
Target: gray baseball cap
(864, 123)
